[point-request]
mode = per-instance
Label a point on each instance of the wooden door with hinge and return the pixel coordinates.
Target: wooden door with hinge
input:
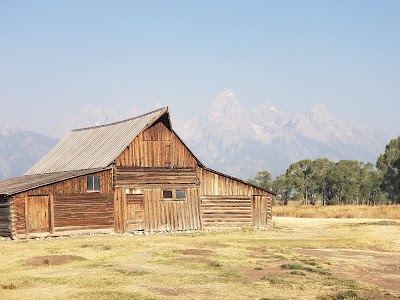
(135, 212)
(38, 213)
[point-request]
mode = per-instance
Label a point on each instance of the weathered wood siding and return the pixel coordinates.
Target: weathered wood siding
(5, 218)
(90, 210)
(229, 211)
(214, 183)
(161, 215)
(71, 206)
(156, 146)
(156, 160)
(227, 202)
(262, 211)
(131, 177)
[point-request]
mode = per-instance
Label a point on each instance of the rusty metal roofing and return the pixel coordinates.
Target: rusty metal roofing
(28, 182)
(94, 147)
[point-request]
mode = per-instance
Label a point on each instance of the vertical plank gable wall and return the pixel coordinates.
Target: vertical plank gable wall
(157, 160)
(73, 207)
(157, 146)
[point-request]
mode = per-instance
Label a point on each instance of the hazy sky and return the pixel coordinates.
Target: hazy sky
(59, 56)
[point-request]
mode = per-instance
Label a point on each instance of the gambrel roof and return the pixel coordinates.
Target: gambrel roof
(94, 147)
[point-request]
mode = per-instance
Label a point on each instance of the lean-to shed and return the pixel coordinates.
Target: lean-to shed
(132, 175)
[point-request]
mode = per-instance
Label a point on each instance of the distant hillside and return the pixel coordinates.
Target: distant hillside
(20, 150)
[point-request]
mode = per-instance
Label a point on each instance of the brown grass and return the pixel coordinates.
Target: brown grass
(296, 259)
(338, 211)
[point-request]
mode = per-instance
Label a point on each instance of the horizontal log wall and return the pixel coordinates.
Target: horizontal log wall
(19, 213)
(228, 211)
(5, 218)
(71, 188)
(88, 210)
(154, 177)
(157, 146)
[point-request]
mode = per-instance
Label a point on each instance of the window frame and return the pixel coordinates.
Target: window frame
(173, 195)
(92, 182)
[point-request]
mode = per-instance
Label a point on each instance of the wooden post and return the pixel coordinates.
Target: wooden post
(26, 215)
(51, 212)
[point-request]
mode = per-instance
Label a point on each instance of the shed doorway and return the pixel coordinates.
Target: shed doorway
(37, 210)
(135, 212)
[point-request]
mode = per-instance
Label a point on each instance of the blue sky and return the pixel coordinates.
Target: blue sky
(59, 56)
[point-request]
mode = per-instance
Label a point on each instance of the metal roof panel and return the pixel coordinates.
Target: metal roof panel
(94, 147)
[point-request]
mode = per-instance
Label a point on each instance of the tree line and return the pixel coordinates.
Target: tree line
(342, 182)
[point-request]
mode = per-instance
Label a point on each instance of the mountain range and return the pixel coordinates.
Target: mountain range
(20, 150)
(229, 137)
(242, 141)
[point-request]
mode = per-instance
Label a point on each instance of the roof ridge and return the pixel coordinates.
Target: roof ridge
(122, 121)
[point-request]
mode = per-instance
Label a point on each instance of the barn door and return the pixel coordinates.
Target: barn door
(135, 212)
(37, 214)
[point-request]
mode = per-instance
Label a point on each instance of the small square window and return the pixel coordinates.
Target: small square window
(174, 194)
(93, 183)
(180, 194)
(167, 194)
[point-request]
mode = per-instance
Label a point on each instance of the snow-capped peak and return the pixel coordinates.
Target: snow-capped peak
(224, 102)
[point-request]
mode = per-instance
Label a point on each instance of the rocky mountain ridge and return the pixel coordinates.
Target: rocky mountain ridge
(241, 141)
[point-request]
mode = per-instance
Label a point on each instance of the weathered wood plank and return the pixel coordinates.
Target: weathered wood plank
(5, 218)
(85, 210)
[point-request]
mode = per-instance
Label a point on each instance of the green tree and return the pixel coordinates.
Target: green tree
(283, 189)
(321, 167)
(389, 165)
(300, 176)
(343, 182)
(263, 179)
(370, 190)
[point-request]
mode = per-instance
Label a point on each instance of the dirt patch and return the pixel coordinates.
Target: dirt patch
(200, 260)
(201, 252)
(51, 260)
(135, 269)
(381, 269)
(173, 291)
(251, 275)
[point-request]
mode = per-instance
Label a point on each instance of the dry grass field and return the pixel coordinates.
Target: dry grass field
(297, 210)
(325, 259)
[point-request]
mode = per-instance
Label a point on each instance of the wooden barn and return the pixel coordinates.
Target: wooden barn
(133, 175)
